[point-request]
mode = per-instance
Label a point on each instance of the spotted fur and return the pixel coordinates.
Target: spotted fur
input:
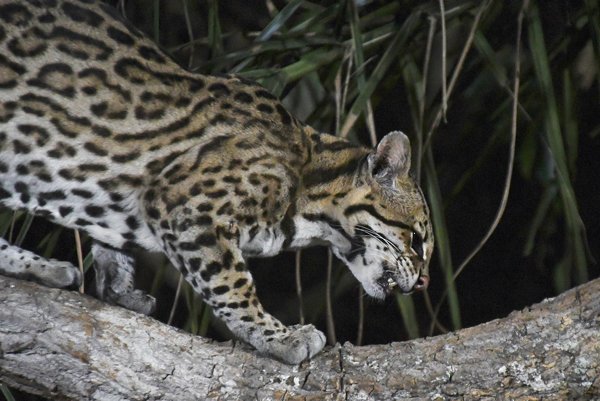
(101, 131)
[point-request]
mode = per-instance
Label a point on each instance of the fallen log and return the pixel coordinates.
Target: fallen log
(63, 345)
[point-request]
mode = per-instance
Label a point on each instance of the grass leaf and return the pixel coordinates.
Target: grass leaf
(442, 239)
(575, 238)
(391, 54)
(409, 315)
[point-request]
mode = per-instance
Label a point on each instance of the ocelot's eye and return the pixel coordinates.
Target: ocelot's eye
(416, 243)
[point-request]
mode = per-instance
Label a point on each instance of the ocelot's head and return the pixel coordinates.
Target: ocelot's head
(386, 216)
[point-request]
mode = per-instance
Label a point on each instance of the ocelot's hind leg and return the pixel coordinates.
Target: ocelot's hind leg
(115, 280)
(19, 263)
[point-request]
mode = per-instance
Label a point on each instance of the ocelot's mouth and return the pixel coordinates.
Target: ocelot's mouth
(388, 281)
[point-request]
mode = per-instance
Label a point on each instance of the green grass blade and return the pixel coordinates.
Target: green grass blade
(542, 69)
(310, 62)
(272, 47)
(199, 314)
(385, 11)
(489, 55)
(359, 61)
(190, 29)
(413, 82)
(494, 63)
(5, 220)
(393, 51)
(156, 20)
(158, 279)
(88, 261)
(214, 29)
(569, 120)
(6, 392)
(279, 21)
(359, 56)
(539, 218)
(276, 24)
(206, 316)
(593, 14)
(442, 239)
(409, 316)
(50, 241)
(575, 228)
(24, 229)
(316, 18)
(192, 323)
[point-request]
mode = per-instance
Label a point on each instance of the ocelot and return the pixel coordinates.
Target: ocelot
(101, 131)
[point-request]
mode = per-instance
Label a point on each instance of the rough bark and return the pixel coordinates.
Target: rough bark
(62, 345)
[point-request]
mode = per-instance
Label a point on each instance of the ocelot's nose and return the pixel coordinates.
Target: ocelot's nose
(422, 283)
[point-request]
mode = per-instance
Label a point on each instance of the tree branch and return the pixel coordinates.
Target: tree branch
(63, 345)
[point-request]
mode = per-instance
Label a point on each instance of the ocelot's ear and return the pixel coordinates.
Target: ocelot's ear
(391, 159)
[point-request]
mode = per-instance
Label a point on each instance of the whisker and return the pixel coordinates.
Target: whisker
(383, 255)
(379, 237)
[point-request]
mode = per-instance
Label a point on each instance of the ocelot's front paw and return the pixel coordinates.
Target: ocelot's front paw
(57, 274)
(135, 300)
(297, 345)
